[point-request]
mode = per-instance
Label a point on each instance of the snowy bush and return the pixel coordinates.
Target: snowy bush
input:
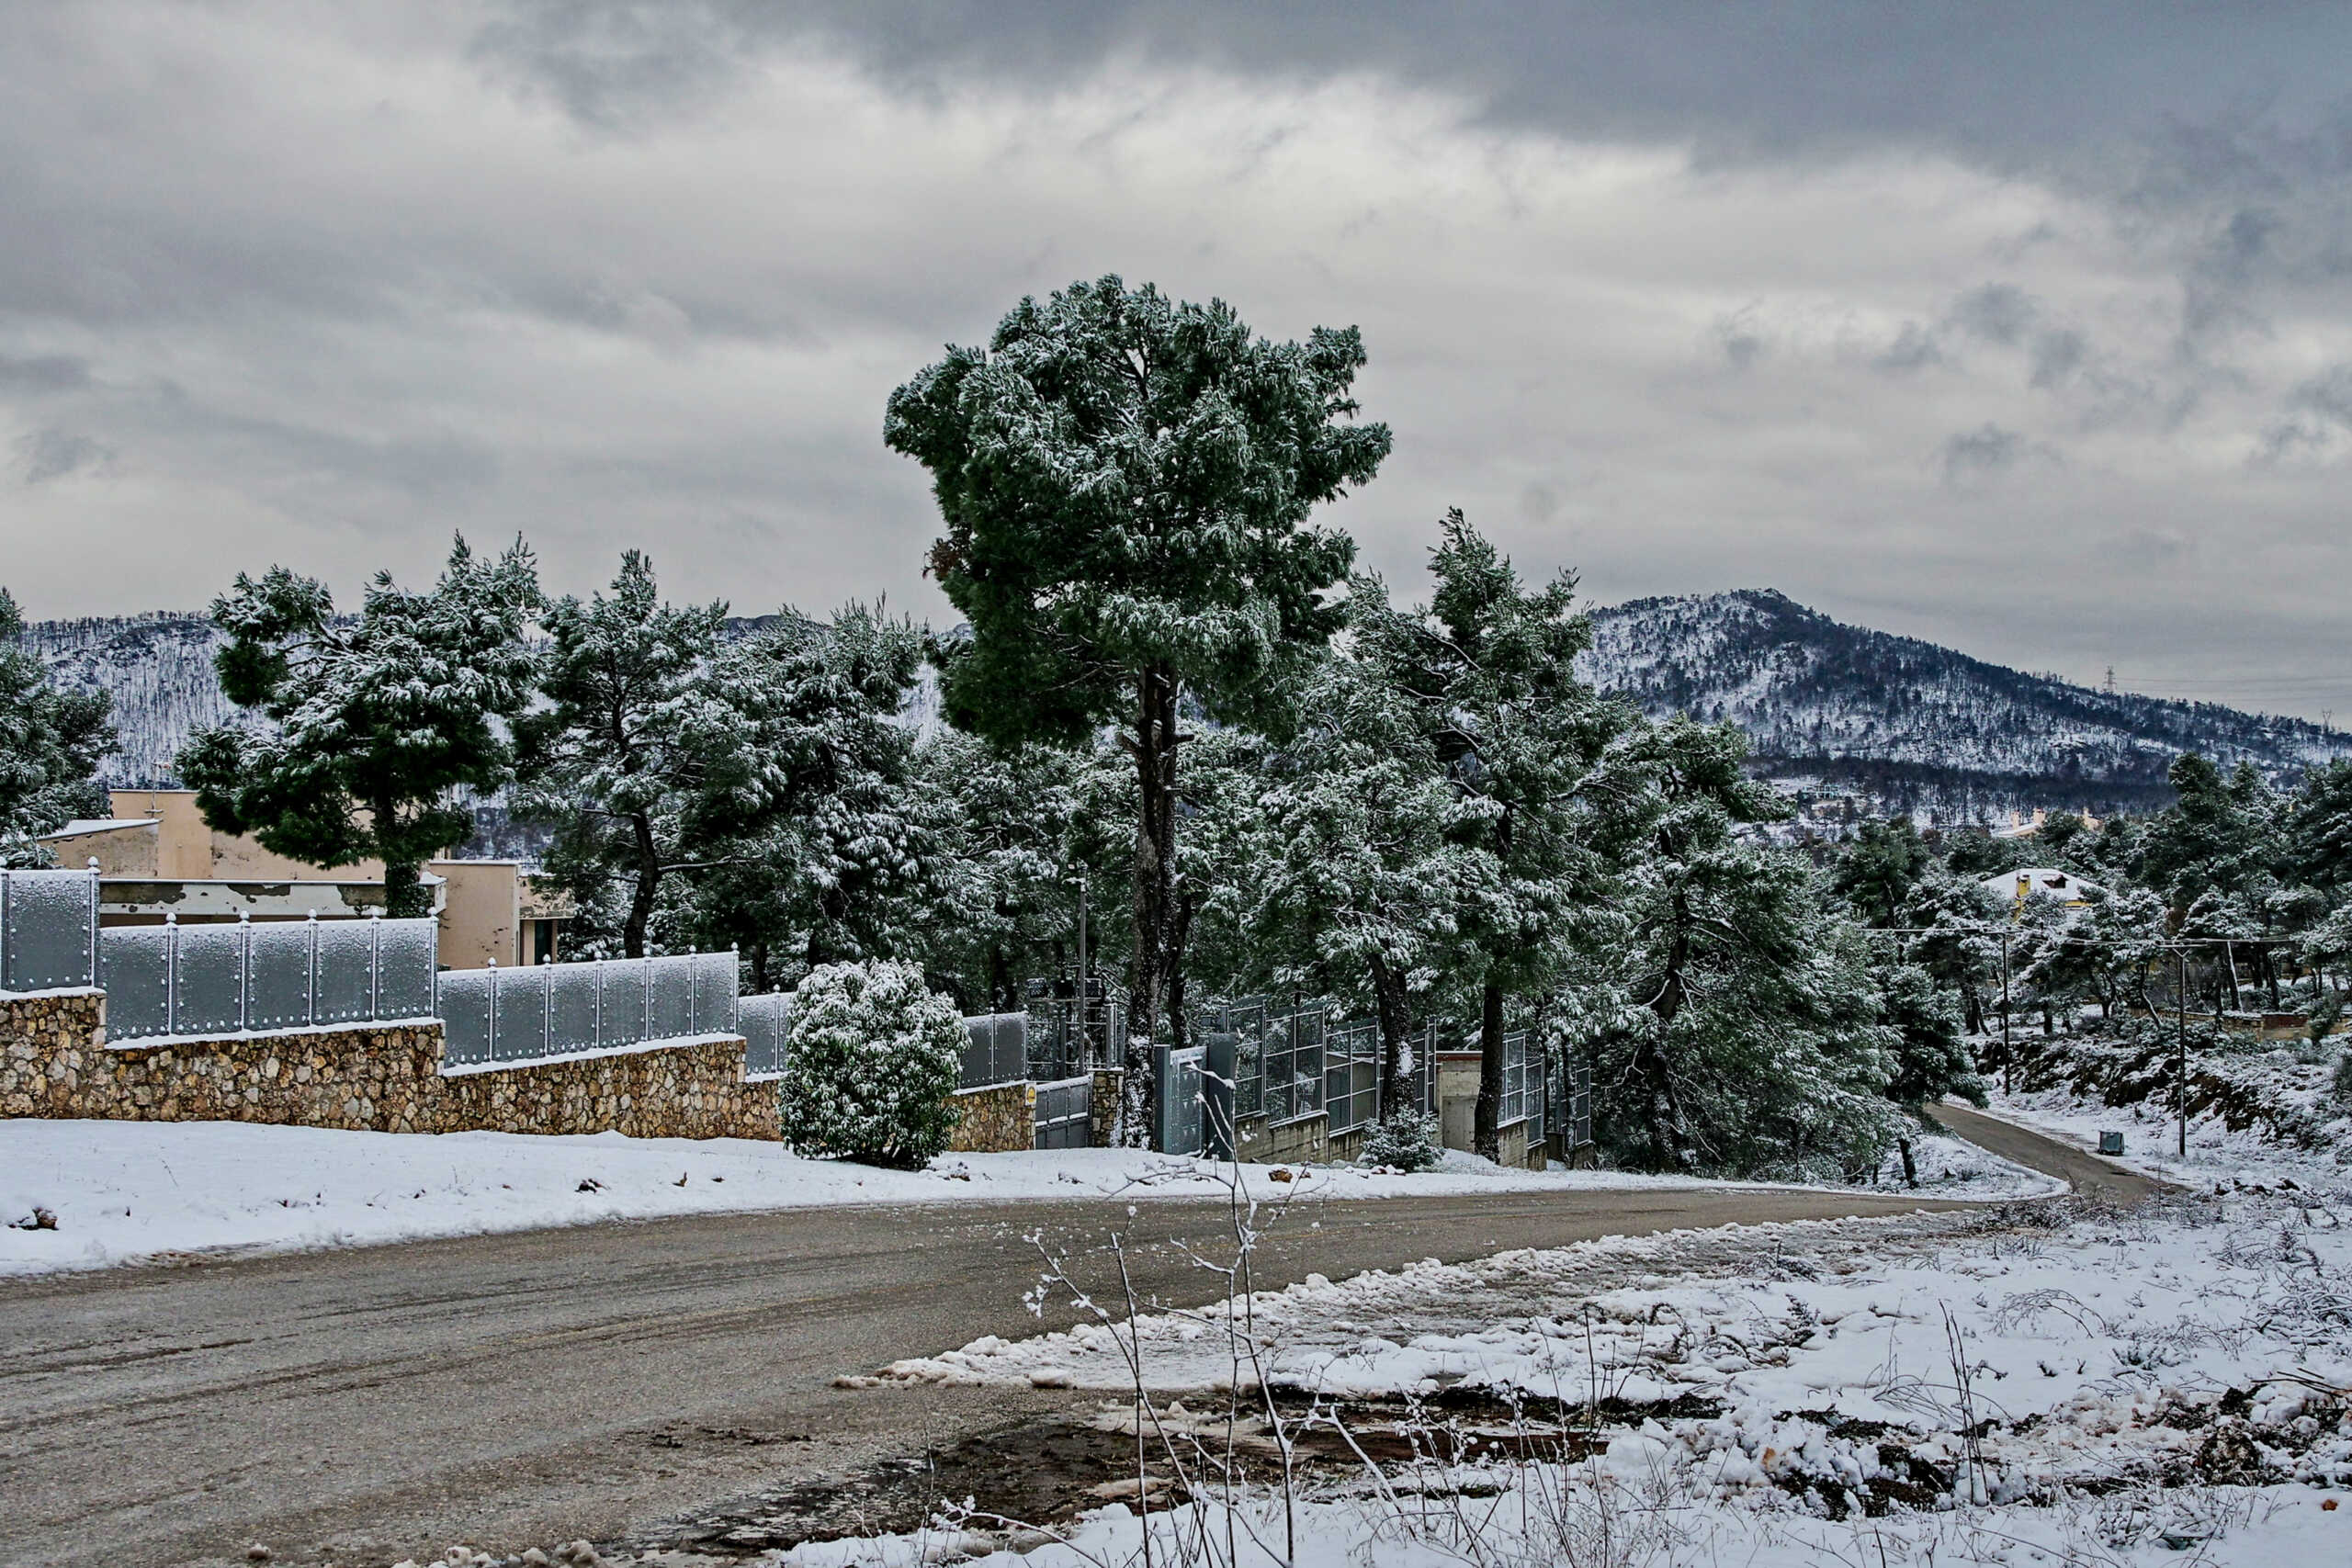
(875, 1055)
(1408, 1144)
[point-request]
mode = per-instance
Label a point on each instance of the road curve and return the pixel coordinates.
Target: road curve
(507, 1390)
(2100, 1179)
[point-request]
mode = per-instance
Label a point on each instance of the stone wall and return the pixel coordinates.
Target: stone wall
(1102, 1115)
(1308, 1138)
(54, 1062)
(1000, 1120)
(674, 1091)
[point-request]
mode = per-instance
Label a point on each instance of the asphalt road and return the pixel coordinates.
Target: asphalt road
(2094, 1178)
(510, 1390)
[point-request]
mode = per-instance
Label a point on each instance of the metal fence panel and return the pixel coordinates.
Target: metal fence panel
(572, 1005)
(518, 1014)
(277, 984)
(49, 931)
(766, 1026)
(626, 984)
(407, 953)
(346, 971)
(716, 979)
(673, 1010)
(465, 1017)
(1180, 1129)
(209, 993)
(996, 1049)
(135, 967)
(1065, 1113)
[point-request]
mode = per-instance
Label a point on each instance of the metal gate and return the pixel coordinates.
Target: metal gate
(1180, 1129)
(1066, 1114)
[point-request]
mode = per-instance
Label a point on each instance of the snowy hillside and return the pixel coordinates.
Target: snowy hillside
(1893, 717)
(159, 668)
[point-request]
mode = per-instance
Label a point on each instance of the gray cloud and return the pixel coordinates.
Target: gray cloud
(336, 279)
(46, 454)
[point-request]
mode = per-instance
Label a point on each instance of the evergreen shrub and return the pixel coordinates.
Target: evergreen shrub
(875, 1057)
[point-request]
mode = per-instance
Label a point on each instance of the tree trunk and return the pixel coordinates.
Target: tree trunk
(1153, 746)
(1910, 1167)
(1388, 1007)
(404, 894)
(648, 882)
(1487, 1132)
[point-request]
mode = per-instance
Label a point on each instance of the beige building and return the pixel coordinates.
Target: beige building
(157, 856)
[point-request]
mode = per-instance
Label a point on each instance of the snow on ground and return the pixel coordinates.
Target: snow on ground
(124, 1191)
(2118, 1389)
(2151, 1142)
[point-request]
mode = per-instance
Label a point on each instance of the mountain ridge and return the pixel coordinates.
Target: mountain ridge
(1895, 722)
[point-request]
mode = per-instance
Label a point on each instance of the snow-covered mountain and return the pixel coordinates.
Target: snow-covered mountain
(1890, 720)
(159, 668)
(1909, 723)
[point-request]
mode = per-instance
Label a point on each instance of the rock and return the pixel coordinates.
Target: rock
(257, 1553)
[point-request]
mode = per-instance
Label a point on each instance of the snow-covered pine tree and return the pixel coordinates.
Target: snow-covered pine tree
(1731, 1014)
(1011, 901)
(1931, 1060)
(372, 722)
(1360, 874)
(874, 1057)
(50, 743)
(1489, 670)
(634, 728)
(820, 846)
(1126, 482)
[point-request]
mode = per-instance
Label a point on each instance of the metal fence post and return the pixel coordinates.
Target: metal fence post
(648, 961)
(375, 968)
(546, 1000)
(94, 979)
(244, 973)
(597, 1003)
(310, 981)
(492, 1030)
(171, 971)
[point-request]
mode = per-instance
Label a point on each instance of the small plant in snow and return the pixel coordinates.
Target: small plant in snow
(1405, 1142)
(875, 1055)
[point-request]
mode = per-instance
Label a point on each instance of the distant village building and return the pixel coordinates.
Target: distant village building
(2028, 883)
(157, 856)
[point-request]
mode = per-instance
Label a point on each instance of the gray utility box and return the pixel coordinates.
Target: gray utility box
(2110, 1142)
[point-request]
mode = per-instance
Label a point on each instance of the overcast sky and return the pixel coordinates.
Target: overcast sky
(2026, 328)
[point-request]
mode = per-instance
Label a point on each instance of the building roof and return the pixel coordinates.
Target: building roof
(82, 824)
(2041, 882)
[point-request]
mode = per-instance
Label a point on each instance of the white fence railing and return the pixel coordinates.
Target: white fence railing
(49, 931)
(555, 1010)
(247, 977)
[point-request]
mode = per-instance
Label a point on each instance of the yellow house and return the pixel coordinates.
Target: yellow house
(156, 855)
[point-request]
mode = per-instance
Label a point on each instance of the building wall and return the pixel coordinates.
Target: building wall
(130, 849)
(54, 1062)
(482, 915)
(188, 849)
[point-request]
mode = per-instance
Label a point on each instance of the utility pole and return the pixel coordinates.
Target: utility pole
(2180, 1020)
(2006, 1050)
(1085, 1022)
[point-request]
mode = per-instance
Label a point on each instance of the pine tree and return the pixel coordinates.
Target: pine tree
(1360, 876)
(1732, 1016)
(634, 727)
(372, 722)
(50, 743)
(1488, 669)
(1125, 483)
(1931, 1060)
(1013, 895)
(821, 847)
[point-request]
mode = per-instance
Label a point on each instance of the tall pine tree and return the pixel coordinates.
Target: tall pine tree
(1125, 483)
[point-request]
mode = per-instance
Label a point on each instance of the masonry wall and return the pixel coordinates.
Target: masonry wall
(54, 1062)
(1002, 1119)
(1308, 1138)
